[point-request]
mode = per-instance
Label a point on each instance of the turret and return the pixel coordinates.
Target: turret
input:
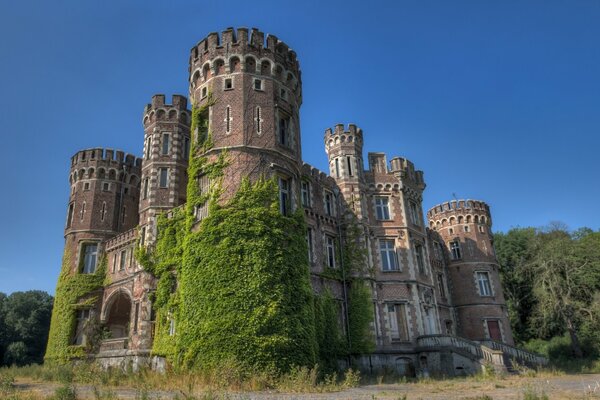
(166, 154)
(344, 150)
(251, 84)
(465, 228)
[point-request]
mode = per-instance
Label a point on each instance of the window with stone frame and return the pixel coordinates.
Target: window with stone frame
(398, 327)
(285, 202)
(166, 143)
(330, 251)
(441, 285)
(328, 203)
(382, 208)
(414, 213)
(284, 135)
(420, 258)
(483, 283)
(89, 252)
(163, 177)
(455, 251)
(123, 260)
(389, 258)
(82, 317)
(305, 192)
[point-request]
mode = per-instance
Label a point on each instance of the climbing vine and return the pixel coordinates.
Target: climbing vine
(73, 292)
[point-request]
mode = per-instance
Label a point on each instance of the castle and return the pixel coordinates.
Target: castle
(436, 294)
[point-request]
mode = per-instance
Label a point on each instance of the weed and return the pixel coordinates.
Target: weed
(65, 392)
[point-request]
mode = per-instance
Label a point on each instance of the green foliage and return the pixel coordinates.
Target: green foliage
(360, 316)
(66, 392)
(245, 288)
(330, 341)
(72, 292)
(24, 324)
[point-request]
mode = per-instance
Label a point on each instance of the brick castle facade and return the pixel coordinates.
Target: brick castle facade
(436, 280)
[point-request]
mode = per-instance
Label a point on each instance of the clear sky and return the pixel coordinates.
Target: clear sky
(494, 100)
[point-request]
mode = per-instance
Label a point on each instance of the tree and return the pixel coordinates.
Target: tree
(25, 318)
(566, 278)
(514, 250)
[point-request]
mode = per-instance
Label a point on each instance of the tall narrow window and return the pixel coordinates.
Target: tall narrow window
(309, 242)
(103, 211)
(337, 167)
(387, 251)
(228, 119)
(382, 208)
(148, 147)
(414, 213)
(258, 121)
(165, 143)
(186, 148)
(328, 204)
(171, 327)
(82, 317)
(82, 212)
(164, 177)
(305, 186)
(441, 285)
(90, 255)
(349, 162)
(284, 132)
(420, 258)
(330, 247)
(123, 260)
(284, 196)
(70, 215)
(146, 188)
(123, 214)
(455, 250)
(143, 236)
(483, 280)
(396, 314)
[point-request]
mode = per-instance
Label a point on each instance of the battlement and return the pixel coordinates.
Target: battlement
(407, 169)
(459, 207)
(158, 110)
(339, 135)
(122, 239)
(101, 156)
(219, 50)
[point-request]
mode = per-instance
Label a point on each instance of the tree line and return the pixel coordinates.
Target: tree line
(551, 280)
(24, 326)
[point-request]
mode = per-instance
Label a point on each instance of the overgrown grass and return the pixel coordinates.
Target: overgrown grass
(231, 377)
(558, 350)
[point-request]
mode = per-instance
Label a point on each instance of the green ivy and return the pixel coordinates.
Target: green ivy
(331, 343)
(71, 292)
(245, 286)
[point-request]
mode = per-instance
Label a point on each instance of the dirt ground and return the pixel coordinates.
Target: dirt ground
(512, 387)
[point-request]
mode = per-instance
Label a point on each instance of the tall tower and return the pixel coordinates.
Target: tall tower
(344, 151)
(166, 154)
(103, 202)
(465, 227)
(256, 92)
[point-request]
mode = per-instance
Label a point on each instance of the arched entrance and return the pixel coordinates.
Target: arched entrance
(119, 316)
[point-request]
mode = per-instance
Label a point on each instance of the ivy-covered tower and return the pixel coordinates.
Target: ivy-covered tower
(255, 92)
(103, 202)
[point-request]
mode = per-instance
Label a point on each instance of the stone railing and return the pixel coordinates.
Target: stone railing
(466, 345)
(113, 344)
(520, 355)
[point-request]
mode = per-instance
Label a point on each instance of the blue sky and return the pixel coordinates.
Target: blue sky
(494, 100)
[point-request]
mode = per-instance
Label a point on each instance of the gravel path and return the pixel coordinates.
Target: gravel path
(513, 388)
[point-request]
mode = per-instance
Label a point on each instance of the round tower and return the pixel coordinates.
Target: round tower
(465, 227)
(166, 154)
(103, 202)
(254, 91)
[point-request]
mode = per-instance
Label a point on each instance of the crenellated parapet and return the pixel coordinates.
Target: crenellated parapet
(406, 169)
(461, 212)
(106, 164)
(159, 111)
(340, 137)
(241, 50)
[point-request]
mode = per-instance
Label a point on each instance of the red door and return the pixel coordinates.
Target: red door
(494, 330)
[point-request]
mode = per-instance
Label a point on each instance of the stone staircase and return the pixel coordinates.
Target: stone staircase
(502, 357)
